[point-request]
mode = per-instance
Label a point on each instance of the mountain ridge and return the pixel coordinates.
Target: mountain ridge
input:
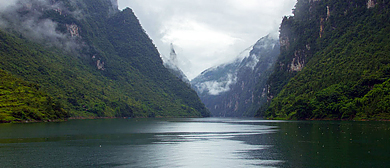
(94, 59)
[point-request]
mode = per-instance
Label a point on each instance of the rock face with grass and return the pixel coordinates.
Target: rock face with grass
(334, 62)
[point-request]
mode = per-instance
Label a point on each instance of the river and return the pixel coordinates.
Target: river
(198, 142)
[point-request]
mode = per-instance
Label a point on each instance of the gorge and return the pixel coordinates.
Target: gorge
(86, 59)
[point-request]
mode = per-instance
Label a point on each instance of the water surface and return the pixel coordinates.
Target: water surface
(207, 142)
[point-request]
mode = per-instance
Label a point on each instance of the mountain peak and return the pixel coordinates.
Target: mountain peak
(172, 64)
(173, 56)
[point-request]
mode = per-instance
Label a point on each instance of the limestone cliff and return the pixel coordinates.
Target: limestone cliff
(333, 62)
(299, 34)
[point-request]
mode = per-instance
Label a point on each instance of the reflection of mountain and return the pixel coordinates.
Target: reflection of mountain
(238, 88)
(171, 64)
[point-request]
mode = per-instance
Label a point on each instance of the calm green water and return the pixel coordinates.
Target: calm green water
(209, 142)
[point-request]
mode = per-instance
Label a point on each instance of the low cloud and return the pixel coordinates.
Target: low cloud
(25, 16)
(217, 87)
(209, 33)
(6, 4)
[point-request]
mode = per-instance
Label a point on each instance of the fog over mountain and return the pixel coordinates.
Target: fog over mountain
(238, 88)
(208, 33)
(32, 25)
(171, 63)
(43, 30)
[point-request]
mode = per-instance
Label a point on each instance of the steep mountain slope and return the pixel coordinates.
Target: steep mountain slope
(334, 62)
(93, 59)
(171, 64)
(238, 89)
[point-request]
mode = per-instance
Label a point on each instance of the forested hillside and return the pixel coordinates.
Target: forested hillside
(21, 100)
(91, 58)
(334, 62)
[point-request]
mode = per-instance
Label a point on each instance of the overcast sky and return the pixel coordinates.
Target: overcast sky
(206, 33)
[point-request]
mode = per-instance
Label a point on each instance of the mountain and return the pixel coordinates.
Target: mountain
(238, 89)
(91, 58)
(334, 62)
(171, 64)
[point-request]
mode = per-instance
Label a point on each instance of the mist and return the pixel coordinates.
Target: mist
(26, 17)
(219, 86)
(208, 33)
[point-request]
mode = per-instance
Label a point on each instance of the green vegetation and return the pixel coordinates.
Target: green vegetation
(23, 101)
(131, 83)
(346, 55)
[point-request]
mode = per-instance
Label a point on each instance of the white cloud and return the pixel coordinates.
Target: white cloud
(208, 33)
(5, 4)
(216, 87)
(189, 33)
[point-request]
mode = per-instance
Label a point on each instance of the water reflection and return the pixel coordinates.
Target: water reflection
(200, 144)
(210, 142)
(210, 153)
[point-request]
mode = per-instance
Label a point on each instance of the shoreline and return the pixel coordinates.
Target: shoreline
(92, 118)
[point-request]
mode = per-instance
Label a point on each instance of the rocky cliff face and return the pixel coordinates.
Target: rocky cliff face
(73, 29)
(238, 89)
(371, 3)
(332, 60)
(299, 33)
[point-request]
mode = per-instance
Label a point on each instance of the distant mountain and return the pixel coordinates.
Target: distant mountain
(91, 58)
(238, 89)
(171, 64)
(334, 62)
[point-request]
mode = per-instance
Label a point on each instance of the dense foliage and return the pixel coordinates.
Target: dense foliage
(23, 101)
(111, 69)
(346, 53)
